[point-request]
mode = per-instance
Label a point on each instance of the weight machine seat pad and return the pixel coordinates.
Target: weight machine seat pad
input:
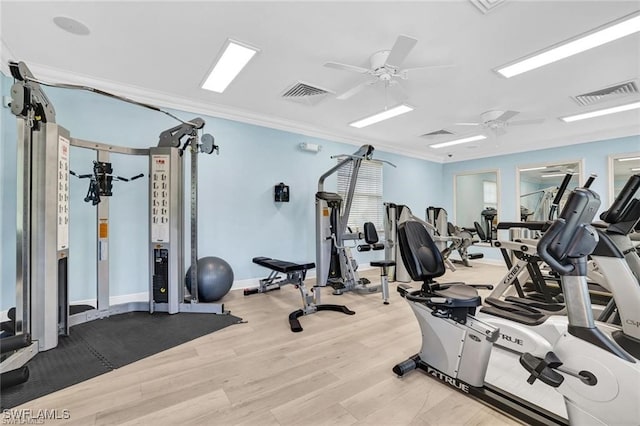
(282, 265)
(383, 263)
(295, 325)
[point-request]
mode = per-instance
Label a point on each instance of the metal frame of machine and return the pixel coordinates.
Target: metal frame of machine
(42, 301)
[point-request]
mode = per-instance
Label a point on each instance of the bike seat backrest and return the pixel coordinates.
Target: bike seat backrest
(370, 233)
(419, 253)
(481, 234)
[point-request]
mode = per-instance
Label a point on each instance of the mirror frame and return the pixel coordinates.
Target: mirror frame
(519, 167)
(474, 172)
(610, 167)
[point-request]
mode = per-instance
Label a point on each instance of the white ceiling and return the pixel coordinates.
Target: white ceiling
(161, 52)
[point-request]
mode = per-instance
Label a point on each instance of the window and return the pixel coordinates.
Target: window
(490, 194)
(367, 198)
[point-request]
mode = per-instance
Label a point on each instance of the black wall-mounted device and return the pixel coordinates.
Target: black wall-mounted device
(281, 193)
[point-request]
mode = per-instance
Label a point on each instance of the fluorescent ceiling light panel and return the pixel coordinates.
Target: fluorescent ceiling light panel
(556, 175)
(636, 169)
(601, 112)
(235, 56)
(384, 115)
(622, 27)
(459, 141)
(629, 159)
(533, 168)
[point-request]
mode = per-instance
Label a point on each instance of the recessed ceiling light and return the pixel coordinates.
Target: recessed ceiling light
(636, 169)
(458, 141)
(629, 159)
(601, 112)
(619, 28)
(380, 116)
(234, 57)
(70, 25)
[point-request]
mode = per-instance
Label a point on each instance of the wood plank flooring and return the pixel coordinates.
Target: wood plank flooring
(336, 372)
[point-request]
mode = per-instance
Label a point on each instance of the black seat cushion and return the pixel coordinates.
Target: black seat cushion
(370, 233)
(460, 292)
(481, 234)
(419, 253)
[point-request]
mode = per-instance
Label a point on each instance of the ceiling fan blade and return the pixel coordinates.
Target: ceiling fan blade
(404, 74)
(349, 93)
(346, 67)
(400, 50)
(467, 124)
(525, 122)
(507, 115)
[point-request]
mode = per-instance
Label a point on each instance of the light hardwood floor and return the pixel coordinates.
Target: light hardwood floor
(336, 372)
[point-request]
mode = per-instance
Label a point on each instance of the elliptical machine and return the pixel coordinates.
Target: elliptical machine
(594, 369)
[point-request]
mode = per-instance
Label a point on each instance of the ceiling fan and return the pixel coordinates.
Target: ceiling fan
(497, 121)
(385, 67)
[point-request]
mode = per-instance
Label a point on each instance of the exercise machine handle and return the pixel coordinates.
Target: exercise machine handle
(590, 180)
(559, 194)
(544, 251)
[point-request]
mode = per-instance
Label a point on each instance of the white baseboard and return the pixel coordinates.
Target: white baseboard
(144, 296)
(113, 300)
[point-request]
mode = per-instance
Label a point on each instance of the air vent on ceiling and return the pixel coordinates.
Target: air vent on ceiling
(612, 92)
(305, 93)
(441, 132)
(486, 6)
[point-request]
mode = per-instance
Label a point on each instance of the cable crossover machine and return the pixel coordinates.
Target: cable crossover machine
(42, 311)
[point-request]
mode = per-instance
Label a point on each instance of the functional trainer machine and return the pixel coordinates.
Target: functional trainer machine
(296, 274)
(42, 310)
(335, 265)
(593, 366)
(437, 217)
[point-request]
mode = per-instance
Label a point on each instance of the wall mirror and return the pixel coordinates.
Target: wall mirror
(476, 201)
(621, 167)
(540, 183)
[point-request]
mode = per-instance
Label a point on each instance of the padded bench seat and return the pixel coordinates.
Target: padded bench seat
(282, 265)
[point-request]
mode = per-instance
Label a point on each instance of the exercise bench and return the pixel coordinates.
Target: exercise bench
(296, 274)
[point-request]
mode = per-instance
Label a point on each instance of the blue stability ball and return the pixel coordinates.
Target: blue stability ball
(215, 278)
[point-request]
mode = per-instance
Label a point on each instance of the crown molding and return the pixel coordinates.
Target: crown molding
(165, 100)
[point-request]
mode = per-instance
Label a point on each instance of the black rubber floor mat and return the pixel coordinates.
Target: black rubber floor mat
(99, 346)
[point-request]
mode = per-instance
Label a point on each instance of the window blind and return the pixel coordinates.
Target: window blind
(367, 197)
(490, 194)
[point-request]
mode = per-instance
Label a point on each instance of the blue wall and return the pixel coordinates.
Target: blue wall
(238, 218)
(595, 160)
